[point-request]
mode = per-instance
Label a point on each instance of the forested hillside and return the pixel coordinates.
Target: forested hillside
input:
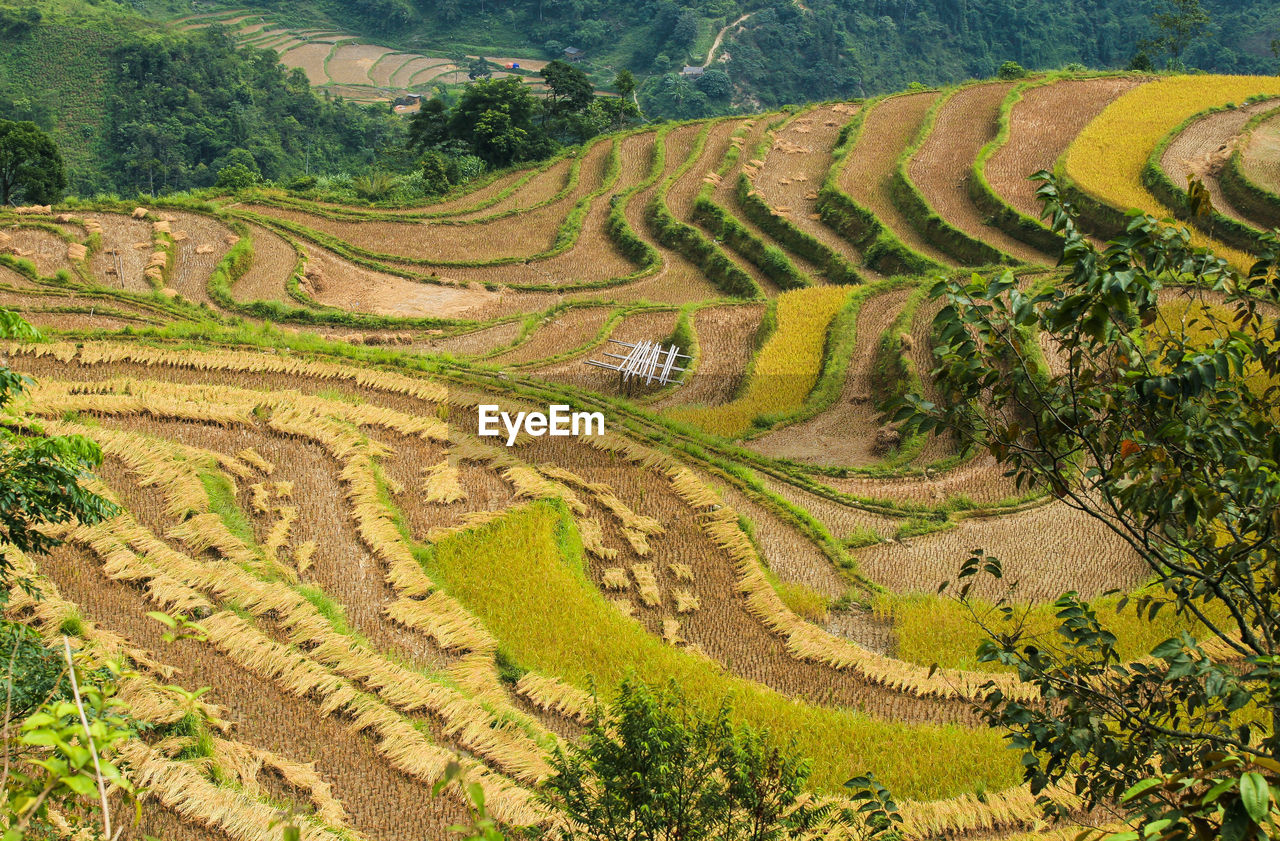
(790, 51)
(139, 100)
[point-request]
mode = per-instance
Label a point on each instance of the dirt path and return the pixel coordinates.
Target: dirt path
(1261, 159)
(715, 45)
(844, 434)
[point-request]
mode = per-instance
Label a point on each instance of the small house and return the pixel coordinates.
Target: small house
(573, 54)
(691, 72)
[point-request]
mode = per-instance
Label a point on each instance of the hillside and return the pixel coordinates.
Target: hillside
(285, 390)
(788, 52)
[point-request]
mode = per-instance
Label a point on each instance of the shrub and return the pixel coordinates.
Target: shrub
(236, 177)
(1011, 70)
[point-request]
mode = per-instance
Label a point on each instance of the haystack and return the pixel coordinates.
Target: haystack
(139, 213)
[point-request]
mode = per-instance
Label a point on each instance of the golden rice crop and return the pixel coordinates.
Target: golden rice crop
(1107, 158)
(786, 368)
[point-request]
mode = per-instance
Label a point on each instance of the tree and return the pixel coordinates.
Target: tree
(30, 165)
(435, 173)
(651, 767)
(1164, 430)
(236, 177)
(479, 69)
(495, 118)
(1011, 70)
(1184, 21)
(430, 126)
(570, 91)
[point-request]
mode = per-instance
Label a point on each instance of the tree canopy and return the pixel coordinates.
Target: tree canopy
(1161, 424)
(31, 168)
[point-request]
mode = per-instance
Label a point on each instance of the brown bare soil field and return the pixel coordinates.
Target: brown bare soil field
(521, 235)
(844, 434)
(62, 321)
(1203, 149)
(380, 800)
(593, 258)
(639, 326)
(426, 75)
(191, 268)
(562, 333)
(273, 263)
(310, 56)
(47, 251)
(11, 279)
(120, 261)
(888, 129)
(357, 93)
(351, 63)
(351, 287)
(678, 275)
(844, 521)
(725, 344)
(477, 342)
(281, 44)
(1041, 127)
(534, 64)
(1048, 549)
(725, 194)
(1261, 158)
(251, 28)
(940, 168)
(400, 78)
(976, 478)
(794, 170)
(387, 66)
(540, 188)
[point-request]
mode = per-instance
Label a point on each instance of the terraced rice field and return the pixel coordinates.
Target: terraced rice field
(962, 126)
(1202, 149)
(359, 71)
(1042, 125)
(1107, 163)
(1261, 157)
(889, 127)
(286, 395)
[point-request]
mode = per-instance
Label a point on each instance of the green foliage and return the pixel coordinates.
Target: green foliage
(38, 474)
(1011, 70)
(168, 126)
(235, 177)
(60, 755)
(1180, 23)
(31, 168)
(651, 766)
(1166, 431)
(435, 173)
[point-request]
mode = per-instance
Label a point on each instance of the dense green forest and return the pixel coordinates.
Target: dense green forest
(138, 104)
